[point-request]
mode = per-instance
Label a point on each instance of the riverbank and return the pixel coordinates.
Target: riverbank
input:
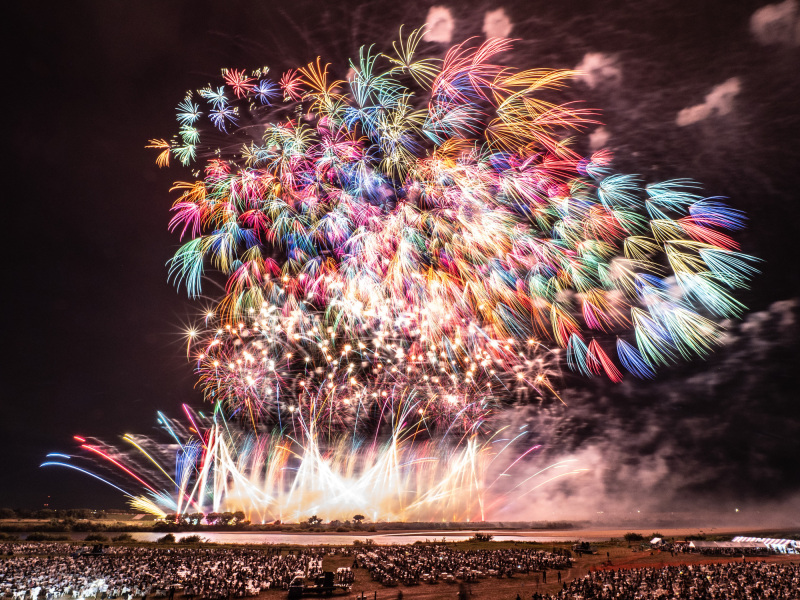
(332, 527)
(334, 538)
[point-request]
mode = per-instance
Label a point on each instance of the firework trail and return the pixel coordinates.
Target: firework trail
(211, 465)
(405, 250)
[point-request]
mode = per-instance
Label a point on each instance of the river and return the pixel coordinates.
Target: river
(397, 537)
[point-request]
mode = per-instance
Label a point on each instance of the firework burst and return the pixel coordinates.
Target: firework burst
(406, 250)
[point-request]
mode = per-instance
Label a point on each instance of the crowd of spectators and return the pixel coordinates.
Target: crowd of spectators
(727, 581)
(12, 548)
(119, 572)
(411, 565)
(49, 571)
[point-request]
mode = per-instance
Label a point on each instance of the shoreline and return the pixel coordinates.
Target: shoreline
(422, 535)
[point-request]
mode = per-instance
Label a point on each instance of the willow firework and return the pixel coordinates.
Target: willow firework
(436, 204)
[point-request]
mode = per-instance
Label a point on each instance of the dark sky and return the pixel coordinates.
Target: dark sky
(94, 341)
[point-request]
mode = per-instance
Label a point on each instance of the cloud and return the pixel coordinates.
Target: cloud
(599, 69)
(439, 24)
(599, 138)
(777, 24)
(496, 24)
(718, 101)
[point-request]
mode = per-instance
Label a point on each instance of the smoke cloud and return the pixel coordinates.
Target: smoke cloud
(496, 24)
(597, 69)
(718, 101)
(777, 24)
(440, 25)
(599, 138)
(711, 440)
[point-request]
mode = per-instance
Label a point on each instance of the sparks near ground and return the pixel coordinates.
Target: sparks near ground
(405, 252)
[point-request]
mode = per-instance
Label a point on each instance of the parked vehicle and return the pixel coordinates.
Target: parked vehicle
(324, 584)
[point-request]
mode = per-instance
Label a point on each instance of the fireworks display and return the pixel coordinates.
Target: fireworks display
(213, 466)
(406, 251)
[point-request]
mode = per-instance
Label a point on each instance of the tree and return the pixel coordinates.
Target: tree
(192, 539)
(314, 520)
(79, 513)
(359, 518)
(195, 518)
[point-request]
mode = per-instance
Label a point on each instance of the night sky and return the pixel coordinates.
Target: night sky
(94, 342)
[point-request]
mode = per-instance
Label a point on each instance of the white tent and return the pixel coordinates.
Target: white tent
(727, 545)
(783, 546)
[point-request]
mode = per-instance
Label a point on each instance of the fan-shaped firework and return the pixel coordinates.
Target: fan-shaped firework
(404, 251)
(210, 465)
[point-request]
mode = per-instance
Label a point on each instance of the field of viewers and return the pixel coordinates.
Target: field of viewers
(610, 555)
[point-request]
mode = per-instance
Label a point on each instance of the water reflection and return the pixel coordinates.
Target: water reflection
(312, 539)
